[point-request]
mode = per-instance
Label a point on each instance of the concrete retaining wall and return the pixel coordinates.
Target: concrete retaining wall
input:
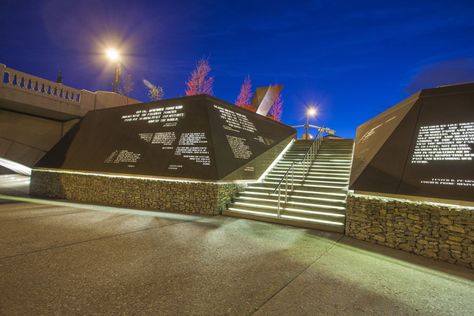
(432, 230)
(144, 193)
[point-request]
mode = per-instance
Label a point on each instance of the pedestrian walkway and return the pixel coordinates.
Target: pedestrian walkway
(65, 258)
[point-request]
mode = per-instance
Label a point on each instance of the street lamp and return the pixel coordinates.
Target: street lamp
(310, 112)
(114, 56)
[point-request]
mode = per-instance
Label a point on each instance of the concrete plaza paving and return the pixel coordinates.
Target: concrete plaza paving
(65, 259)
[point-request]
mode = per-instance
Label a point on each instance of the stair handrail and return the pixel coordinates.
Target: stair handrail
(306, 161)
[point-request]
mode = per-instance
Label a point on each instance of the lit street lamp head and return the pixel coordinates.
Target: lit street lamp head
(112, 54)
(311, 111)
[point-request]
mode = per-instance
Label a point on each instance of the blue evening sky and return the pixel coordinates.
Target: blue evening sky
(352, 58)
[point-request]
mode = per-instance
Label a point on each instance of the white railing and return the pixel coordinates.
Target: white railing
(11, 78)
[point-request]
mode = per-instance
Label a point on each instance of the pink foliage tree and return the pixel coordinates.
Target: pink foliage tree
(245, 96)
(276, 109)
(200, 82)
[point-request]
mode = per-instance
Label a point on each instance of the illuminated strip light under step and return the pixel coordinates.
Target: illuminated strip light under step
(309, 177)
(344, 161)
(335, 153)
(290, 209)
(307, 181)
(330, 169)
(288, 160)
(279, 175)
(299, 191)
(346, 149)
(328, 175)
(334, 156)
(292, 196)
(341, 208)
(329, 172)
(285, 166)
(296, 160)
(312, 185)
(330, 151)
(303, 219)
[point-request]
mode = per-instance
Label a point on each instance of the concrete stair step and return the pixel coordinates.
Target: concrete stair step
(308, 179)
(293, 197)
(320, 156)
(336, 147)
(311, 176)
(300, 192)
(332, 153)
(315, 168)
(329, 173)
(300, 201)
(327, 214)
(334, 164)
(338, 210)
(307, 182)
(317, 165)
(331, 159)
(306, 186)
(318, 162)
(286, 219)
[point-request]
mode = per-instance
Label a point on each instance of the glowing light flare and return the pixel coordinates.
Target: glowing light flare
(112, 54)
(311, 111)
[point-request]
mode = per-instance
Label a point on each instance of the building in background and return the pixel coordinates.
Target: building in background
(35, 113)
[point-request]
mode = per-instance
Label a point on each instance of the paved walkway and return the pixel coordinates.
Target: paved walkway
(65, 258)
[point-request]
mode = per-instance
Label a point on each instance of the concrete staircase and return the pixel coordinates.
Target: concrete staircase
(317, 200)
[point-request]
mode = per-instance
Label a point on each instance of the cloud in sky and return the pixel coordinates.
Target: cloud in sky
(442, 73)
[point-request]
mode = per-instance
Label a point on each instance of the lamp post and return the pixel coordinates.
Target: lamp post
(310, 112)
(114, 56)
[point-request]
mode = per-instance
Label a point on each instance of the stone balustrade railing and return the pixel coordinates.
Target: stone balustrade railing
(11, 78)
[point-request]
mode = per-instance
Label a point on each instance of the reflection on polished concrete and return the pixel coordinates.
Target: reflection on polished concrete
(65, 258)
(14, 184)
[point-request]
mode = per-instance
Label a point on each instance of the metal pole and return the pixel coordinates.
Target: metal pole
(306, 127)
(279, 194)
(292, 177)
(115, 84)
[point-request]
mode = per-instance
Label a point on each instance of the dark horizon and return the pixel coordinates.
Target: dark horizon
(352, 59)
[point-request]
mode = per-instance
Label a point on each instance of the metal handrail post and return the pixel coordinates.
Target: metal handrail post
(292, 178)
(279, 195)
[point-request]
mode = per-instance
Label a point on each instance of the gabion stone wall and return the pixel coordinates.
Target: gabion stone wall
(142, 193)
(435, 231)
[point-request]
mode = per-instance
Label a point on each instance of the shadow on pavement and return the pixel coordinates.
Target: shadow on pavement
(403, 258)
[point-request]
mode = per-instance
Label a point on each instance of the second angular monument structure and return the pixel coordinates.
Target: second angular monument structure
(423, 146)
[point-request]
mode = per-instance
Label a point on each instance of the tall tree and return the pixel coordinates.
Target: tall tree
(154, 93)
(245, 96)
(200, 82)
(276, 109)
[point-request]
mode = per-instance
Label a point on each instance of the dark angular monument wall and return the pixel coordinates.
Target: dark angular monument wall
(181, 155)
(423, 146)
(420, 151)
(197, 137)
